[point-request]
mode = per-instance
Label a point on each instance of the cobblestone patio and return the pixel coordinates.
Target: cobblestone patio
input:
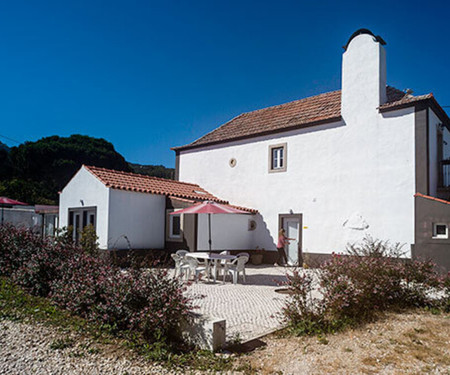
(250, 309)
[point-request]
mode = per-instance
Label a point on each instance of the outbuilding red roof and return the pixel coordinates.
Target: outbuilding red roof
(431, 198)
(154, 185)
(314, 110)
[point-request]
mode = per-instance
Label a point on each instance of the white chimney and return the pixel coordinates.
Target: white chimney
(363, 74)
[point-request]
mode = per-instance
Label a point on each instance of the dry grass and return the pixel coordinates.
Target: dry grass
(399, 343)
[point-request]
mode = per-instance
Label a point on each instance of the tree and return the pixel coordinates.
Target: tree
(34, 172)
(52, 161)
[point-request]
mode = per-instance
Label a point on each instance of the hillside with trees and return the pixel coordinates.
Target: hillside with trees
(34, 172)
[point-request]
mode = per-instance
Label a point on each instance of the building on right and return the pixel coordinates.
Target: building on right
(331, 169)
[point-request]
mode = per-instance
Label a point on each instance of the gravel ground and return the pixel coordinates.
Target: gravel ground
(27, 349)
(408, 343)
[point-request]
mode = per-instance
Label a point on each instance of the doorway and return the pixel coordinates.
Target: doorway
(292, 224)
(79, 218)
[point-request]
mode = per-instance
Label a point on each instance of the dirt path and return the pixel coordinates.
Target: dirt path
(409, 343)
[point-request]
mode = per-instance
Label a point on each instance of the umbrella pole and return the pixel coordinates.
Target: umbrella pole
(2, 215)
(209, 224)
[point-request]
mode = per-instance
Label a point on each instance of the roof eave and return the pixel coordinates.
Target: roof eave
(268, 132)
(431, 102)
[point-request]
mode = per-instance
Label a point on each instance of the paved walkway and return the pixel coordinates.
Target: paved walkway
(251, 309)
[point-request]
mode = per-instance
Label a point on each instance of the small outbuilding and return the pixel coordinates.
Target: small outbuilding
(132, 211)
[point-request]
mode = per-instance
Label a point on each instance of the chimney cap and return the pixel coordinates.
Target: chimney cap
(377, 38)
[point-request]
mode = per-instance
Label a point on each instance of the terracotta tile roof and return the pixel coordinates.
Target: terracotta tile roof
(154, 185)
(406, 99)
(297, 114)
(431, 198)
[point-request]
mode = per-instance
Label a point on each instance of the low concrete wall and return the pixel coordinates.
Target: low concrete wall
(205, 332)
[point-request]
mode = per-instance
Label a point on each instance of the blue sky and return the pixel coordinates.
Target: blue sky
(150, 75)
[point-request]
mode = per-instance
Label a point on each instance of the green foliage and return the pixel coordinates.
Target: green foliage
(60, 344)
(5, 162)
(34, 172)
(89, 240)
(28, 191)
(153, 170)
(54, 160)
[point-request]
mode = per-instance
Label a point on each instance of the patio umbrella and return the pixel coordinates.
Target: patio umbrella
(7, 202)
(209, 208)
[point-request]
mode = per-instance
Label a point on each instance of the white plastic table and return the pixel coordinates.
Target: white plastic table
(214, 257)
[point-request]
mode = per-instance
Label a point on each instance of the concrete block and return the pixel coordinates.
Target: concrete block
(205, 332)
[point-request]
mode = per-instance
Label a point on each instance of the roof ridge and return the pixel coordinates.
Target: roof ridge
(90, 167)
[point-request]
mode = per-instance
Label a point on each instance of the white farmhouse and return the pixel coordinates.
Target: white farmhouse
(132, 211)
(368, 159)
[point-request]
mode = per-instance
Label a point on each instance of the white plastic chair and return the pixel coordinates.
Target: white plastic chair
(243, 255)
(182, 253)
(221, 264)
(180, 264)
(237, 266)
(194, 267)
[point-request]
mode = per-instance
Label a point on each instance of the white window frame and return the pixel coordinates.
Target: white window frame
(440, 236)
(170, 237)
(278, 158)
(171, 234)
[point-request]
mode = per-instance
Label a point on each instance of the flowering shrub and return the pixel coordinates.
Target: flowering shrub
(16, 246)
(372, 277)
(446, 299)
(148, 301)
(30, 260)
(303, 305)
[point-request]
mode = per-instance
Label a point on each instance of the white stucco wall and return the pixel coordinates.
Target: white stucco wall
(335, 173)
(360, 170)
(228, 232)
(138, 216)
(86, 188)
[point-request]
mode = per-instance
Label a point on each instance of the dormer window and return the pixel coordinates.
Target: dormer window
(277, 158)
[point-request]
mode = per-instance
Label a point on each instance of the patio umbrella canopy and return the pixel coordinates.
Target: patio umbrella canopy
(8, 202)
(209, 207)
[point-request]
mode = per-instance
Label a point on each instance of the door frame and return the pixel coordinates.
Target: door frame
(281, 218)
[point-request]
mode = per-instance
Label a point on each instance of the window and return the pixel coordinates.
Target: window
(277, 158)
(440, 231)
(174, 227)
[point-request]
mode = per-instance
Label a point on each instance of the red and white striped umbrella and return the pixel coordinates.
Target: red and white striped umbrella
(10, 202)
(209, 208)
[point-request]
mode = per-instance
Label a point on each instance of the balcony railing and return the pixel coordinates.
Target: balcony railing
(444, 176)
